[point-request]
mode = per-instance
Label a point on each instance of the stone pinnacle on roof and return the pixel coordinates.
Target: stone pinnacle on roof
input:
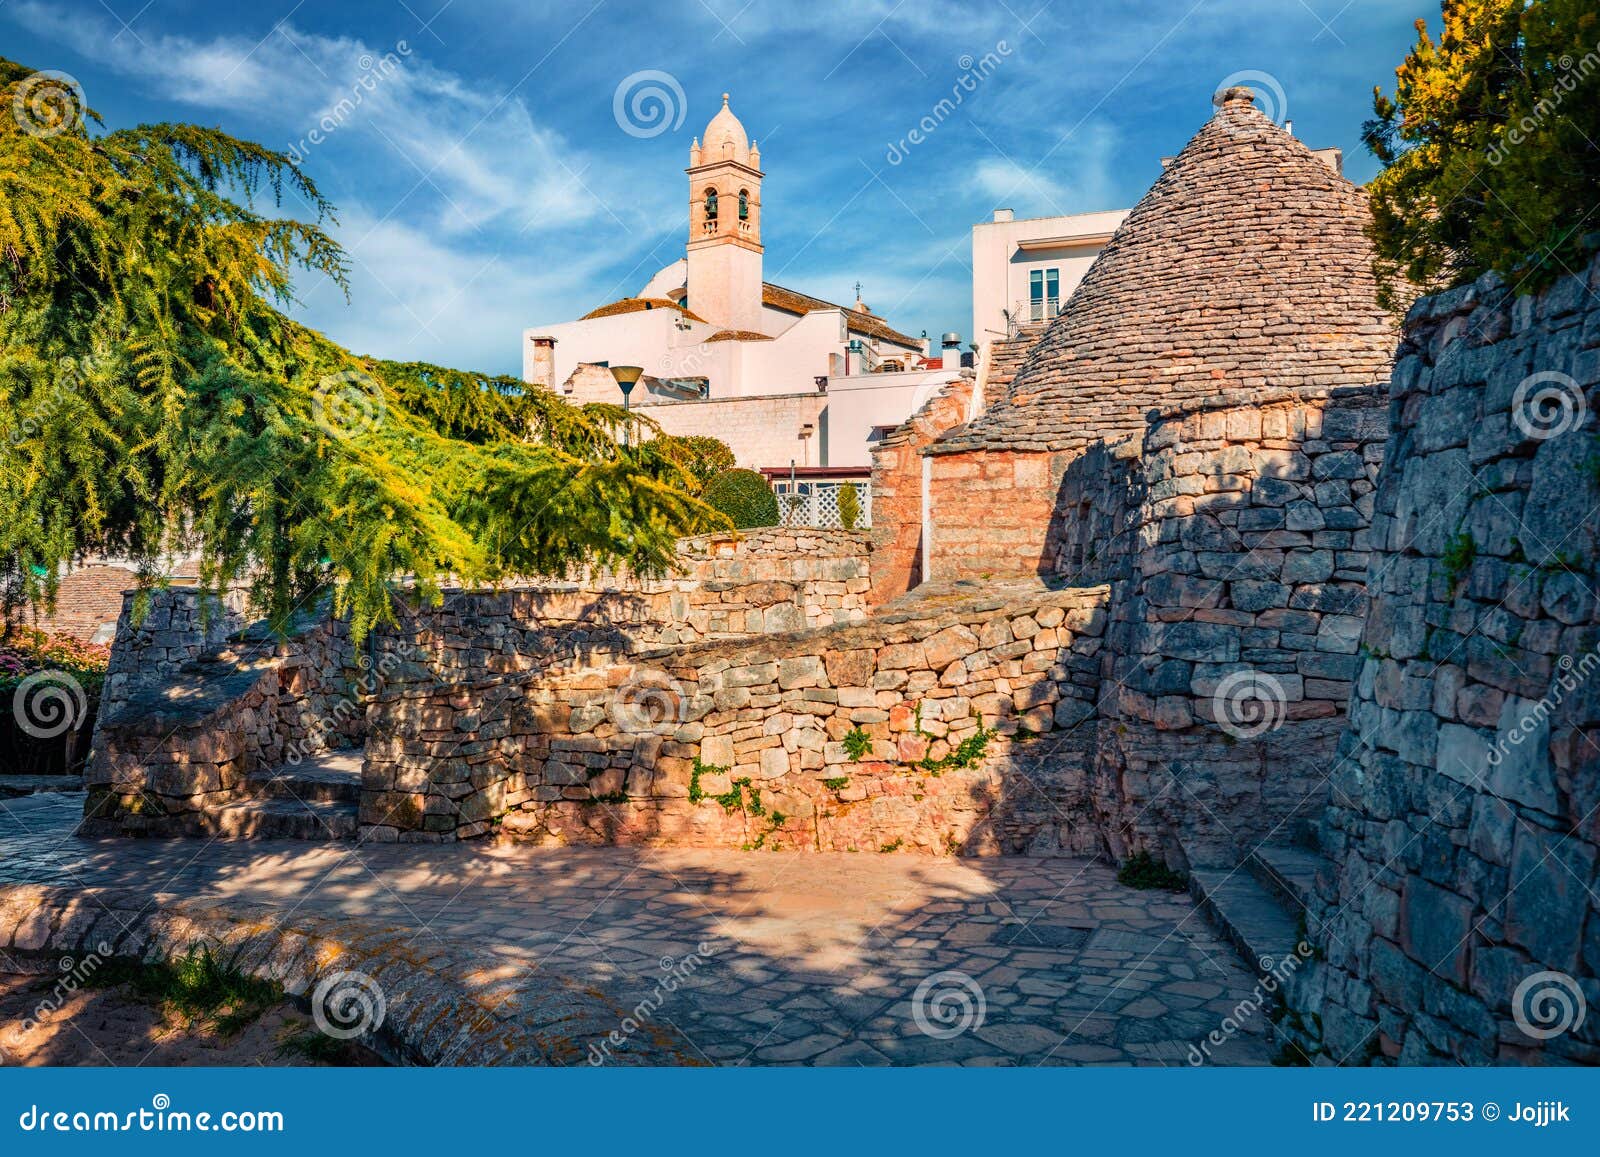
(1245, 267)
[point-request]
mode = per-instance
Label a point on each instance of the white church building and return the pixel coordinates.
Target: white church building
(798, 387)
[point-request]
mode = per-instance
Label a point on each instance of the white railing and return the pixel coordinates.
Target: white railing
(815, 501)
(1035, 309)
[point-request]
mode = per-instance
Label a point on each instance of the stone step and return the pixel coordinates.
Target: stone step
(1248, 914)
(17, 786)
(278, 819)
(331, 777)
(1289, 873)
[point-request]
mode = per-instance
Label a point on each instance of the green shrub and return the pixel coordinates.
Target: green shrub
(744, 496)
(702, 458)
(1144, 871)
(857, 743)
(849, 506)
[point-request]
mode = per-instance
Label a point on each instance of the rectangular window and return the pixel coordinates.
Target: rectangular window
(1044, 294)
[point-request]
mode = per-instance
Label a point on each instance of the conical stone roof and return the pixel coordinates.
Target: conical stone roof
(1244, 267)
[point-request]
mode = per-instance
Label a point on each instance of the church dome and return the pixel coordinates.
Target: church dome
(725, 138)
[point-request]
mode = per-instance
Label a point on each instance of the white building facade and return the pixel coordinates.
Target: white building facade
(1023, 270)
(786, 379)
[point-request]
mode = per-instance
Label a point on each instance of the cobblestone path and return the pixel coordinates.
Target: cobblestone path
(787, 958)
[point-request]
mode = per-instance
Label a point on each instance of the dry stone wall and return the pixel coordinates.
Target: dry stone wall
(1464, 823)
(195, 703)
(1235, 538)
(913, 730)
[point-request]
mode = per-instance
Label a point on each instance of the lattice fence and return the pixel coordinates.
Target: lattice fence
(815, 501)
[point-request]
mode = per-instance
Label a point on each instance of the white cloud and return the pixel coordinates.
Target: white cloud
(475, 155)
(415, 298)
(1077, 176)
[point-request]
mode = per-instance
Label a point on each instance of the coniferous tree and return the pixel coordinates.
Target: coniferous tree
(154, 399)
(1490, 146)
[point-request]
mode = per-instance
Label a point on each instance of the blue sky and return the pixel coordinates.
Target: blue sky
(484, 183)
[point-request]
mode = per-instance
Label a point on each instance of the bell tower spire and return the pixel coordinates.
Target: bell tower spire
(724, 249)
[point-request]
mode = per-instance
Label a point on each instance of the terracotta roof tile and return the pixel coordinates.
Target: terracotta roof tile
(638, 305)
(792, 301)
(738, 335)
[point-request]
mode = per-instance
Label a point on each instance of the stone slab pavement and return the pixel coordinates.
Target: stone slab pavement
(755, 957)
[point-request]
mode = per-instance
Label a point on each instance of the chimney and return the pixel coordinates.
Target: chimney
(1003, 215)
(542, 369)
(950, 345)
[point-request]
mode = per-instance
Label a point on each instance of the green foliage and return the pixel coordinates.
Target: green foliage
(1457, 557)
(849, 506)
(24, 651)
(696, 792)
(893, 845)
(857, 743)
(154, 400)
(968, 753)
(834, 783)
(701, 458)
(1144, 871)
(744, 497)
(196, 987)
(741, 795)
(1490, 146)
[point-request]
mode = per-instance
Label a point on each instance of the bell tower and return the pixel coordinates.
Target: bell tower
(724, 250)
